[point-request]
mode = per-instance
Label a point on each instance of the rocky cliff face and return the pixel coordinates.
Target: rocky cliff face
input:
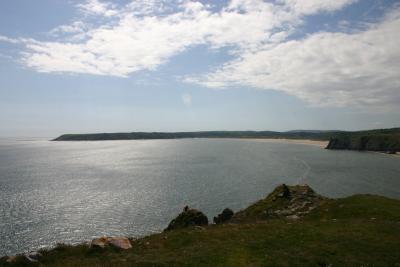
(377, 142)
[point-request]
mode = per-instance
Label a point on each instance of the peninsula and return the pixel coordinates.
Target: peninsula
(314, 135)
(382, 140)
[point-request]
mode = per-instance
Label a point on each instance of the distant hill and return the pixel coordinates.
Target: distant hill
(314, 131)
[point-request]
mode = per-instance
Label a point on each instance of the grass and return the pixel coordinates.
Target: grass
(361, 230)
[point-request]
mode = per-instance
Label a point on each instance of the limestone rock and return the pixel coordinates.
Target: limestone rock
(100, 242)
(282, 202)
(120, 242)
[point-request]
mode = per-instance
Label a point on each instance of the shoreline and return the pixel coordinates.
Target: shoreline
(387, 154)
(321, 144)
(318, 143)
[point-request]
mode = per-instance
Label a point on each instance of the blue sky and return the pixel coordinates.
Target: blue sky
(106, 66)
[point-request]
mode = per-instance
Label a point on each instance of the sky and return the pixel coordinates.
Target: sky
(69, 66)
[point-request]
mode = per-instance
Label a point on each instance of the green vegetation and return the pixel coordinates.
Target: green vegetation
(317, 135)
(361, 230)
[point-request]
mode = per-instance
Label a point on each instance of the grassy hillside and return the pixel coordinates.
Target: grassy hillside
(361, 230)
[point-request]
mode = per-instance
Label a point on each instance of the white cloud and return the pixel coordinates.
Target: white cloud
(151, 7)
(324, 69)
(8, 40)
(128, 42)
(332, 69)
(96, 7)
(187, 99)
(74, 28)
(308, 7)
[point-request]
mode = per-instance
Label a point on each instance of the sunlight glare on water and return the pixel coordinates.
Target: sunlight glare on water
(70, 192)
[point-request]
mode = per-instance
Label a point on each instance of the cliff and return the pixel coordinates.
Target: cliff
(382, 141)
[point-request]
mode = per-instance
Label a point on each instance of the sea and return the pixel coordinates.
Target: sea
(70, 192)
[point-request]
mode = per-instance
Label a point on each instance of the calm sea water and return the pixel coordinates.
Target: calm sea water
(73, 191)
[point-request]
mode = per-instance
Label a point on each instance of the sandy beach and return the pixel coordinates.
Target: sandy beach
(322, 144)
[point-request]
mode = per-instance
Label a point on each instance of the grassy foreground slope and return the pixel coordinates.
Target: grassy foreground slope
(362, 230)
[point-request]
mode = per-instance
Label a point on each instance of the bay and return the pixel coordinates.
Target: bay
(70, 192)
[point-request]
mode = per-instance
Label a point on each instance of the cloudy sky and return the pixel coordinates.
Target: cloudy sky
(180, 65)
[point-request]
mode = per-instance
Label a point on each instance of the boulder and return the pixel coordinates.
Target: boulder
(100, 242)
(120, 242)
(226, 215)
(187, 218)
(117, 242)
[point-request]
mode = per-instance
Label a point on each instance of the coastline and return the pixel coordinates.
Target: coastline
(387, 154)
(318, 143)
(321, 144)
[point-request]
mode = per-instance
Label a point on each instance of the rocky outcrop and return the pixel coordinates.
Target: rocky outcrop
(188, 217)
(289, 202)
(225, 216)
(117, 242)
(301, 201)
